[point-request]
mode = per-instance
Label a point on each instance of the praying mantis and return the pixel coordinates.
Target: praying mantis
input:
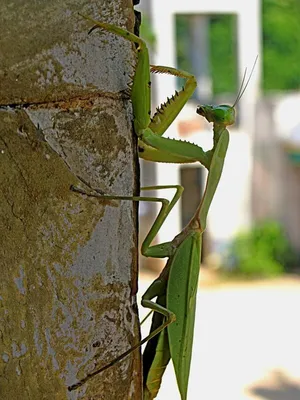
(171, 334)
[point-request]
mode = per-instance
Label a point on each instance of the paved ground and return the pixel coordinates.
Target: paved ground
(246, 344)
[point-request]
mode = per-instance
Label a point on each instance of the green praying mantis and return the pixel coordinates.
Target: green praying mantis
(171, 333)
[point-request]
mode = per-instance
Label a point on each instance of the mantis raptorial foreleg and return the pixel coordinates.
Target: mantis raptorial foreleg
(152, 146)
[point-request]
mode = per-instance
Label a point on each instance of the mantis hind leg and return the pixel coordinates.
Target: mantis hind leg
(154, 290)
(170, 317)
(158, 287)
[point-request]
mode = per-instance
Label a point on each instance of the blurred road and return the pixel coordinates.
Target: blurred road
(246, 343)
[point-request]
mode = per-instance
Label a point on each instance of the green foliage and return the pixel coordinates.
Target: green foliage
(263, 251)
(182, 39)
(183, 56)
(223, 46)
(281, 44)
(222, 30)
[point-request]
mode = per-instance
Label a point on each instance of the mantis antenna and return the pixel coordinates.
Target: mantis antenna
(242, 89)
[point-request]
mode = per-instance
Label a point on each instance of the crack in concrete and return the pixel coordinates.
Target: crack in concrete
(122, 95)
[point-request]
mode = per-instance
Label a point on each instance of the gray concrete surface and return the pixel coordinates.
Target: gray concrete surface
(246, 343)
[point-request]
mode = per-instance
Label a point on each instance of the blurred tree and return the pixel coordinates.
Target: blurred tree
(223, 53)
(281, 47)
(281, 44)
(222, 48)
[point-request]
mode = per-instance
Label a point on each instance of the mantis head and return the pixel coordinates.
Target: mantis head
(221, 115)
(224, 114)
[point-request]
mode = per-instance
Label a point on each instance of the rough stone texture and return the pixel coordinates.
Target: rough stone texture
(46, 54)
(67, 262)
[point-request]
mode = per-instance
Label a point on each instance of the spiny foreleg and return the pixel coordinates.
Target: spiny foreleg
(168, 111)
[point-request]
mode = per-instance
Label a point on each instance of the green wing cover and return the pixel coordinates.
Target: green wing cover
(181, 299)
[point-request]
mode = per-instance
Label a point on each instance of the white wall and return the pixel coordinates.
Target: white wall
(231, 208)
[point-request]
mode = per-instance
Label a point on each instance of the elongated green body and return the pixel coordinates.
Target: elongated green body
(181, 299)
(181, 273)
(175, 290)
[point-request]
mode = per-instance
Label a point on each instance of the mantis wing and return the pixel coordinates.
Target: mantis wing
(156, 355)
(159, 353)
(181, 298)
(176, 343)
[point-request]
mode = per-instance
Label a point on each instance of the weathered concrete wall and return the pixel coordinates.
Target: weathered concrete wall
(67, 262)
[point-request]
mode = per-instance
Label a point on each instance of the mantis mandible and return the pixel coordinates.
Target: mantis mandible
(176, 288)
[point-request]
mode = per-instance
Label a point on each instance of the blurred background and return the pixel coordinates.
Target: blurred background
(247, 329)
